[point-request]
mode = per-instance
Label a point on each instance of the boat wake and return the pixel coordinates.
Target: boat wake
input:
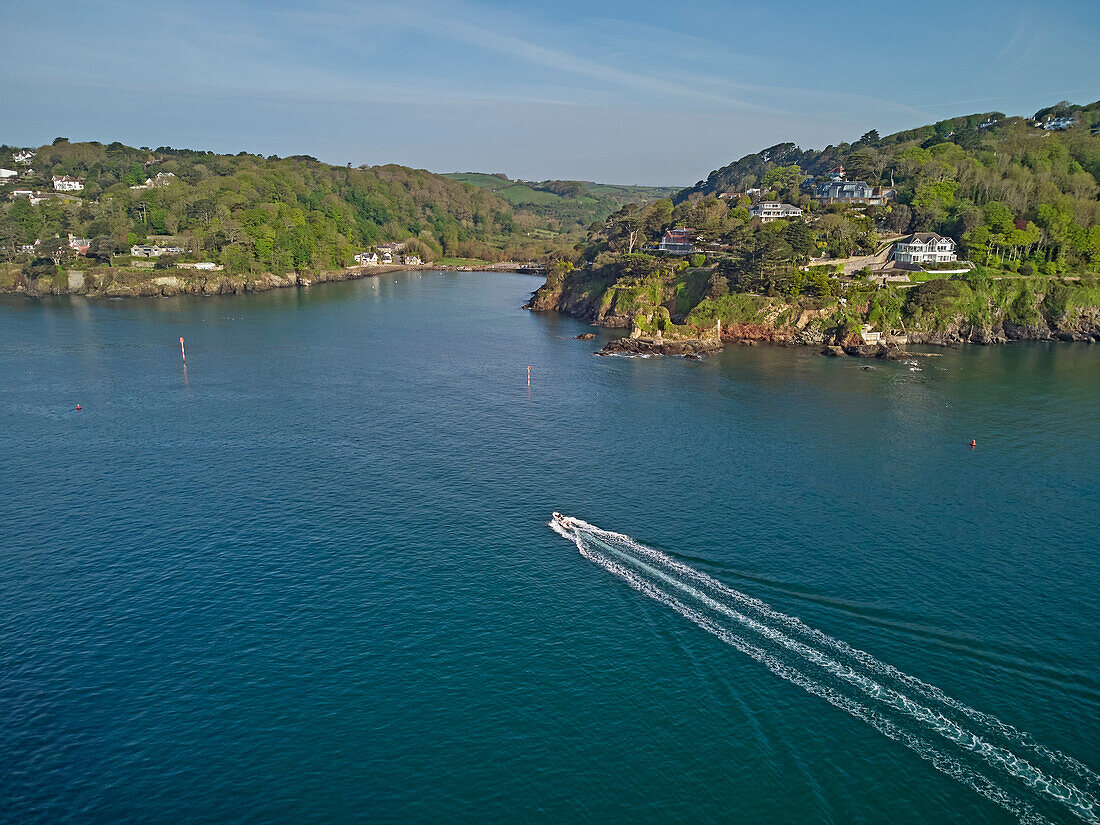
(1006, 765)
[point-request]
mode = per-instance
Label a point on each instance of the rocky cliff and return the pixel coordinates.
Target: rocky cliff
(942, 312)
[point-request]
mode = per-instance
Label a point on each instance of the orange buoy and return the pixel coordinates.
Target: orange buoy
(973, 443)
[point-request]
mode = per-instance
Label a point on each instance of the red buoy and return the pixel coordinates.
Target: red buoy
(973, 443)
(78, 408)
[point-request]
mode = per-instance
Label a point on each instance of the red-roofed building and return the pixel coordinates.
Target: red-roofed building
(678, 242)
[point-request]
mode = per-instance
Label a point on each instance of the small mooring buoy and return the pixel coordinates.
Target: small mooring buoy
(78, 408)
(973, 443)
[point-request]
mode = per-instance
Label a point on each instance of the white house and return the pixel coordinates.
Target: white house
(154, 251)
(21, 193)
(773, 211)
(364, 258)
(855, 191)
(412, 260)
(924, 248)
(387, 256)
(23, 157)
(5, 174)
(65, 183)
(1059, 124)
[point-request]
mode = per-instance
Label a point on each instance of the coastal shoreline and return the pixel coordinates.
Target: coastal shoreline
(809, 328)
(108, 283)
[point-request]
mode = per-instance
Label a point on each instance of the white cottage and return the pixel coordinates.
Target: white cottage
(65, 183)
(773, 211)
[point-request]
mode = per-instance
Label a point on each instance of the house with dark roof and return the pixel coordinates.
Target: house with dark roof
(924, 248)
(853, 191)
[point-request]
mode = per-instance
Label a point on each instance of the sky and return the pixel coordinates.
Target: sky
(620, 92)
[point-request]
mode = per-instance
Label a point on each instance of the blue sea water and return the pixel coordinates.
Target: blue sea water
(309, 577)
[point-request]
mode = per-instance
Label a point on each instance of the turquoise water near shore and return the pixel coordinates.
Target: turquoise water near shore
(310, 579)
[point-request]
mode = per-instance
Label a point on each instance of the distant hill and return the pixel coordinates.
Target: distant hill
(563, 205)
(881, 160)
(248, 212)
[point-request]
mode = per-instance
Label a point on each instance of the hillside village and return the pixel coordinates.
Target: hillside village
(983, 225)
(1011, 195)
(898, 255)
(104, 217)
(165, 248)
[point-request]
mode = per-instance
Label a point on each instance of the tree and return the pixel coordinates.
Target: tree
(102, 248)
(801, 239)
(626, 228)
(865, 164)
(55, 249)
(9, 236)
(898, 218)
(40, 268)
(27, 219)
(783, 177)
(718, 286)
(998, 217)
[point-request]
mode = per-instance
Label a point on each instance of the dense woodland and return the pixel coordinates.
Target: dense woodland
(251, 213)
(1019, 200)
(1004, 188)
(1014, 196)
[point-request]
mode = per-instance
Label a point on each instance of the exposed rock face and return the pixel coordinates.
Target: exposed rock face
(585, 336)
(690, 347)
(1084, 327)
(867, 351)
(584, 294)
(757, 332)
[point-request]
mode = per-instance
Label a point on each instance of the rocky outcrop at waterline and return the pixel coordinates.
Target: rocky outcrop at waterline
(942, 312)
(685, 347)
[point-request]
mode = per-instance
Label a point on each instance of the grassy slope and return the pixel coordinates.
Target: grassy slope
(550, 210)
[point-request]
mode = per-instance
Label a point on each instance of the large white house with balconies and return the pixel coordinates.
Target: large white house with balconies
(66, 183)
(774, 211)
(924, 248)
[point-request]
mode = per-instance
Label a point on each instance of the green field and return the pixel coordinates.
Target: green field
(461, 262)
(544, 203)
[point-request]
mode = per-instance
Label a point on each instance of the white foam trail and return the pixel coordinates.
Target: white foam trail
(1000, 758)
(1017, 737)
